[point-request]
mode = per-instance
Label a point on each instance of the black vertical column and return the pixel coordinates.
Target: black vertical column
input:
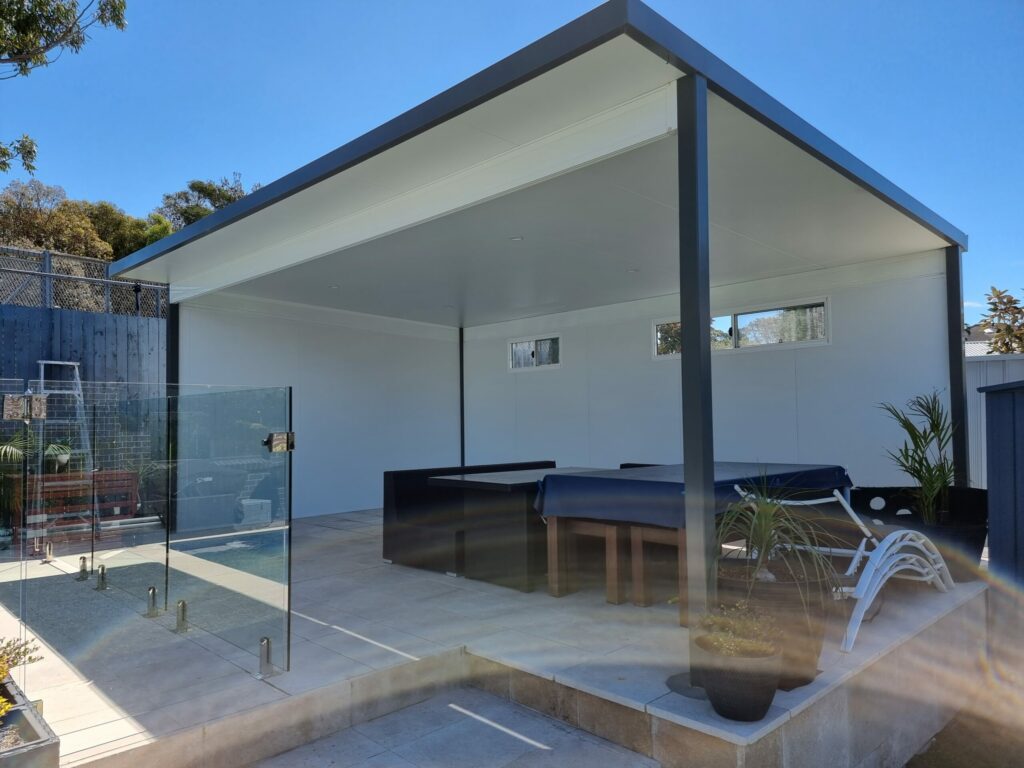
(957, 373)
(695, 334)
(462, 397)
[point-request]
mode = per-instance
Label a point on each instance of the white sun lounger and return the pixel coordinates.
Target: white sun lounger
(901, 554)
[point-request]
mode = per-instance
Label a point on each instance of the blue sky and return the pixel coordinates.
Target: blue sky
(928, 92)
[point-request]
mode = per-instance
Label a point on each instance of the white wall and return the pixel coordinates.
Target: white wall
(984, 371)
(369, 393)
(611, 401)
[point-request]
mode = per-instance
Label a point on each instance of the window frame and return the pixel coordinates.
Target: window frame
(534, 338)
(734, 313)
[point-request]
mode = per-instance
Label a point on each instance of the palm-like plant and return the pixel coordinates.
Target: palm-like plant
(924, 455)
(772, 533)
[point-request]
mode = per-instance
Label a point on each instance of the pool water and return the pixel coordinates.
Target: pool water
(258, 553)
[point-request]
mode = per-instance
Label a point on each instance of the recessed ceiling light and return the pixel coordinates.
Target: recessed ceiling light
(516, 238)
(332, 286)
(632, 270)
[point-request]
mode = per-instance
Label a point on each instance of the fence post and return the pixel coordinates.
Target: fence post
(138, 300)
(47, 284)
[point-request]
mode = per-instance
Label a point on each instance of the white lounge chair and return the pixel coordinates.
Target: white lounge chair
(900, 554)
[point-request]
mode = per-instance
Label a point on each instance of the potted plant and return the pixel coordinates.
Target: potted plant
(25, 738)
(955, 518)
(59, 453)
(12, 453)
(783, 570)
(740, 661)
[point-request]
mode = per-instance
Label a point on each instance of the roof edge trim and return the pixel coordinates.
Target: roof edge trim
(567, 42)
(663, 38)
(613, 18)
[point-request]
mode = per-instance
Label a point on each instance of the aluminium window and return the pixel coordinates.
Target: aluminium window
(794, 324)
(668, 341)
(535, 353)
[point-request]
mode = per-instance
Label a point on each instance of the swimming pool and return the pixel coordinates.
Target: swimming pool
(261, 553)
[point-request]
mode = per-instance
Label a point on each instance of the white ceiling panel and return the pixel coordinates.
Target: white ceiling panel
(607, 233)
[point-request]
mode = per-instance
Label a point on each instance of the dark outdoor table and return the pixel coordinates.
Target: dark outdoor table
(656, 495)
(505, 540)
(650, 503)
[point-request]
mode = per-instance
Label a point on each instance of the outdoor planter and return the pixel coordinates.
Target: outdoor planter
(26, 741)
(738, 687)
(737, 652)
(959, 533)
(799, 608)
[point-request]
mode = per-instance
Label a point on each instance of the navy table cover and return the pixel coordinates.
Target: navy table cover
(656, 495)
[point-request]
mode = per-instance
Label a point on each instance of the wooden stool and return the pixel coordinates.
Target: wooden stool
(561, 555)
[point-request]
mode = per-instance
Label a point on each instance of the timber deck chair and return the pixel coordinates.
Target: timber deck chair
(887, 552)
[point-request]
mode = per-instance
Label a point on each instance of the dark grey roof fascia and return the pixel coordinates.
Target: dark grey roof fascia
(613, 18)
(653, 31)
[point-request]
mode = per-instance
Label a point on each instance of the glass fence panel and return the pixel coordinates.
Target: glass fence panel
(120, 499)
(229, 529)
(13, 458)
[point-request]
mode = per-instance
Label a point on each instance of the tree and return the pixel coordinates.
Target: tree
(1005, 321)
(125, 233)
(37, 215)
(34, 34)
(201, 198)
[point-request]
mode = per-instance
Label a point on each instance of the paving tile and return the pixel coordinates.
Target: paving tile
(385, 760)
(466, 744)
(344, 749)
(411, 723)
(379, 646)
(528, 653)
(633, 676)
(314, 666)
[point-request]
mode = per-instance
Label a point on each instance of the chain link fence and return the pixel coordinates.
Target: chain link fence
(30, 278)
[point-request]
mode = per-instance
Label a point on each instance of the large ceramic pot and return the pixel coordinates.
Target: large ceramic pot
(740, 687)
(800, 608)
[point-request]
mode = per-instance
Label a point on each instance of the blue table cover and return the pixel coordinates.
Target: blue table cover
(655, 495)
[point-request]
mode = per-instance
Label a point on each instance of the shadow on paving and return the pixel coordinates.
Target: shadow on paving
(102, 632)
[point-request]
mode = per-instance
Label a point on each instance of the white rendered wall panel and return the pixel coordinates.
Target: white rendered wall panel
(612, 401)
(364, 401)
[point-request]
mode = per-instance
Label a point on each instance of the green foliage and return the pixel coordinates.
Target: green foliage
(739, 631)
(34, 34)
(14, 653)
(1005, 320)
(669, 339)
(38, 215)
(23, 149)
(924, 455)
(201, 198)
(772, 533)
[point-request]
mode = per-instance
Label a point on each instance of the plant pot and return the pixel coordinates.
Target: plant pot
(739, 687)
(38, 746)
(799, 608)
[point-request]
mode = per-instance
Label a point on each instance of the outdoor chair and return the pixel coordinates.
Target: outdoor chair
(882, 553)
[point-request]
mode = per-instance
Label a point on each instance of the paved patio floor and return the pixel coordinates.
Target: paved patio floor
(112, 680)
(461, 727)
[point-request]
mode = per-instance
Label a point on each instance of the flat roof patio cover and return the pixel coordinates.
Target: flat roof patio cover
(614, 145)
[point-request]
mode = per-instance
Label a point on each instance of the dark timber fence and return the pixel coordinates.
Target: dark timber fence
(60, 307)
